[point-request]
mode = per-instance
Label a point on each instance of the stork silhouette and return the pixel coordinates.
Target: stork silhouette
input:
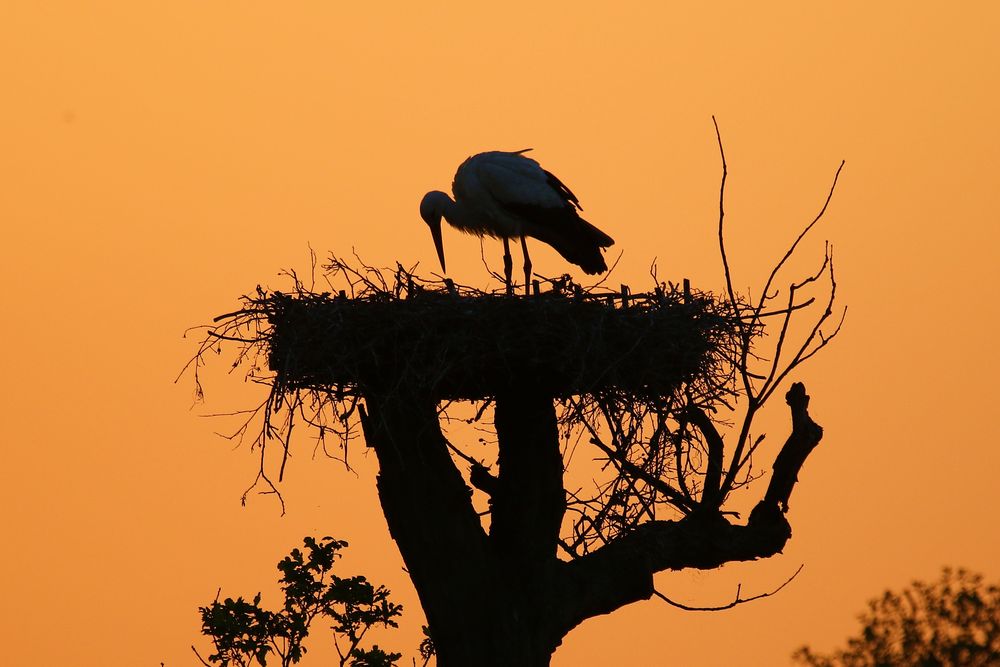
(507, 195)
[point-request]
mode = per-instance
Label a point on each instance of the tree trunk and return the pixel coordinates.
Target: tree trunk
(489, 600)
(504, 599)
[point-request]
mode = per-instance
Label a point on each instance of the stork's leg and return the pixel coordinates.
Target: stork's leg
(527, 267)
(508, 266)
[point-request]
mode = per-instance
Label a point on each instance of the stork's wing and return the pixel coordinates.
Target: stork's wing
(563, 191)
(514, 180)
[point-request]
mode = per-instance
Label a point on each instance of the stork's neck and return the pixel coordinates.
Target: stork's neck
(458, 215)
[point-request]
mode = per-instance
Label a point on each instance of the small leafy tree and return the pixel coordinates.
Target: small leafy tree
(952, 621)
(245, 634)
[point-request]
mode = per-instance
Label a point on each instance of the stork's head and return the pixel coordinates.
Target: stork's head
(432, 208)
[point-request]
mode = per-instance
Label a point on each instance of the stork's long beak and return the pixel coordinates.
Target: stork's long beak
(436, 235)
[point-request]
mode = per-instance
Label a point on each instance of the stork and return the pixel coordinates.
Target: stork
(507, 195)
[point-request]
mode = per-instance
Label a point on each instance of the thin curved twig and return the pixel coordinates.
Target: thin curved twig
(735, 602)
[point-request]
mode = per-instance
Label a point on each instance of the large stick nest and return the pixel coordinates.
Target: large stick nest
(460, 343)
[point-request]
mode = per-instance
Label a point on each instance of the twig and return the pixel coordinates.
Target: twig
(791, 249)
(737, 601)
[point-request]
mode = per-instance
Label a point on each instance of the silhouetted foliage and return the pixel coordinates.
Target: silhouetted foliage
(954, 621)
(244, 633)
(426, 649)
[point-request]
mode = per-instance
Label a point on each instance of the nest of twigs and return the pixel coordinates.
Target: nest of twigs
(461, 343)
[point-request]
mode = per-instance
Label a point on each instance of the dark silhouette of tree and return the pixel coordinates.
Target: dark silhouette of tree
(244, 633)
(954, 621)
(505, 558)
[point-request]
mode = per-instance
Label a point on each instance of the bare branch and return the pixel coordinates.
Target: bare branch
(804, 349)
(745, 330)
(675, 496)
(802, 234)
(736, 601)
(710, 497)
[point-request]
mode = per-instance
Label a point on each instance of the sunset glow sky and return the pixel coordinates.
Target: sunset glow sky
(158, 160)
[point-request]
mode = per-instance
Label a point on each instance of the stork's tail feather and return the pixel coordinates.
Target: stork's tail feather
(591, 264)
(584, 248)
(574, 238)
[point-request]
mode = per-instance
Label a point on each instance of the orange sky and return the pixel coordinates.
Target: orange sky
(160, 159)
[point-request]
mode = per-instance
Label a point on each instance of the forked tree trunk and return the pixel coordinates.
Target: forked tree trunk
(503, 599)
(488, 598)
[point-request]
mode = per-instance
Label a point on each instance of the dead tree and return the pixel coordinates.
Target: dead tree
(643, 379)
